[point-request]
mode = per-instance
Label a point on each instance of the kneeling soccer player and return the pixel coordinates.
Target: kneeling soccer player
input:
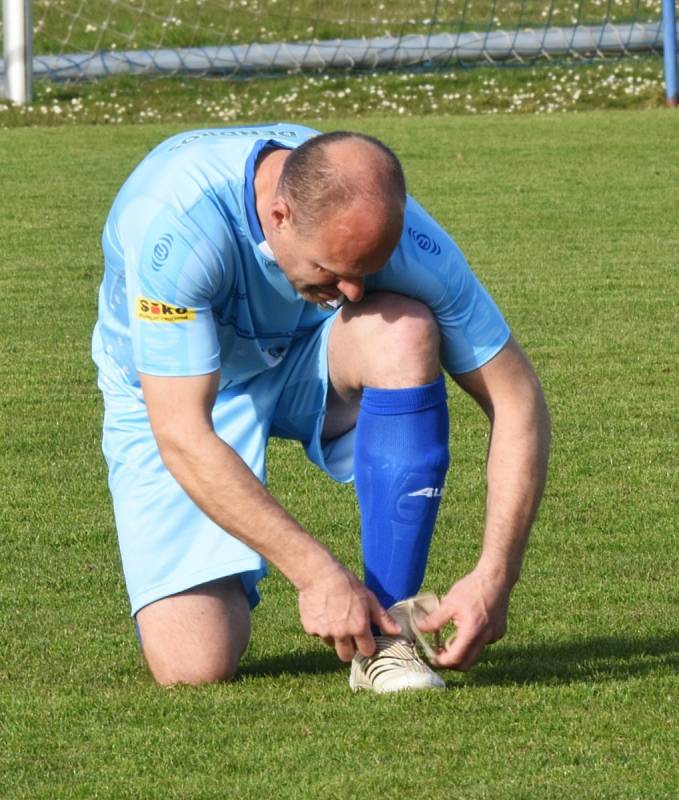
(270, 281)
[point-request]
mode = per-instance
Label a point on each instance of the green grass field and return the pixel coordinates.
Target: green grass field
(571, 221)
(630, 83)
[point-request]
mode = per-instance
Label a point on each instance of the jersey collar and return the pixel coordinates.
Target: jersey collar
(249, 194)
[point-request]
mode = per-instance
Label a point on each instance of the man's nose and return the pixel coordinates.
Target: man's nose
(352, 288)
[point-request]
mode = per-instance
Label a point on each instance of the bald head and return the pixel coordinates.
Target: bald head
(333, 172)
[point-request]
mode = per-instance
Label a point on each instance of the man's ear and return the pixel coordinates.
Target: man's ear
(280, 214)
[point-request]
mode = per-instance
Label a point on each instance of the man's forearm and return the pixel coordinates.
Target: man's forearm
(509, 392)
(516, 474)
(222, 485)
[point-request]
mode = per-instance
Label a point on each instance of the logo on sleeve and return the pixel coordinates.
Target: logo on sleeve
(424, 242)
(155, 311)
(161, 251)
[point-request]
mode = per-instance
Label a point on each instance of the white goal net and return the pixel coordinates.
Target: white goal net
(83, 39)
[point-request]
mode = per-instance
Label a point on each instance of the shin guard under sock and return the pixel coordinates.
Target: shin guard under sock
(400, 463)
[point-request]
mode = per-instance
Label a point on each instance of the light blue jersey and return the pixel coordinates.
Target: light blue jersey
(186, 289)
(189, 289)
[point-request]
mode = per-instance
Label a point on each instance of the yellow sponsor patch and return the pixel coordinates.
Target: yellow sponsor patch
(156, 311)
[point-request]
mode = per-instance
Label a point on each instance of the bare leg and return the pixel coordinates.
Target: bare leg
(386, 341)
(197, 636)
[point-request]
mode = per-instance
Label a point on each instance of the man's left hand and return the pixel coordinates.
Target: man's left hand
(477, 606)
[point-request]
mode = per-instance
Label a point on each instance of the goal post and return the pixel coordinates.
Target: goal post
(17, 37)
(670, 51)
(65, 40)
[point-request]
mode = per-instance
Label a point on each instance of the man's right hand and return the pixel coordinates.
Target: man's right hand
(338, 608)
(334, 604)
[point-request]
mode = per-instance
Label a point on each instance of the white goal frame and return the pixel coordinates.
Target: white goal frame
(18, 49)
(19, 66)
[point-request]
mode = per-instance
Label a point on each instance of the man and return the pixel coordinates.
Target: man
(268, 281)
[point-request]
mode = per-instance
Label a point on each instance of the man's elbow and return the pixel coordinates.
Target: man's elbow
(541, 417)
(179, 445)
(528, 406)
(545, 419)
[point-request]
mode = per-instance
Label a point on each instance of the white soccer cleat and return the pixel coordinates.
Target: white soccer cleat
(396, 665)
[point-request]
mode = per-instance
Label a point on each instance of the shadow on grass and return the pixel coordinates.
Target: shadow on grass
(597, 659)
(313, 662)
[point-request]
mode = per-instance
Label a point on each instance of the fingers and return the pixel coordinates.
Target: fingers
(343, 615)
(436, 620)
(363, 640)
(466, 647)
(346, 649)
(381, 618)
(463, 652)
(365, 643)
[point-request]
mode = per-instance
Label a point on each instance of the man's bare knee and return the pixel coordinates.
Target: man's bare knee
(196, 667)
(197, 636)
(387, 340)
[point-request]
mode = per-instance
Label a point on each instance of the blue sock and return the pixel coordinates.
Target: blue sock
(400, 463)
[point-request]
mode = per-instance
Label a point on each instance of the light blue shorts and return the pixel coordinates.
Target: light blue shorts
(167, 543)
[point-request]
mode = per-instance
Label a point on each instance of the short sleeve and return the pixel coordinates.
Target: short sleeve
(428, 266)
(175, 265)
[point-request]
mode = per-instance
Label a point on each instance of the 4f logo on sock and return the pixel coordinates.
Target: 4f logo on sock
(430, 491)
